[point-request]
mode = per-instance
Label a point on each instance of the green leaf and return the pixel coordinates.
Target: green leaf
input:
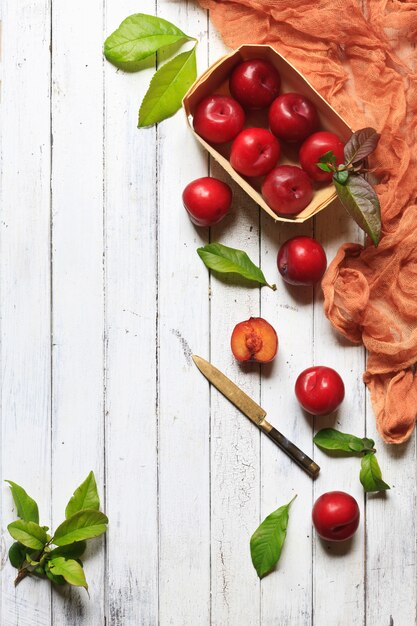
(328, 157)
(268, 539)
(331, 439)
(39, 571)
(70, 551)
(27, 509)
(371, 178)
(227, 260)
(32, 561)
(85, 497)
(167, 88)
(58, 580)
(83, 525)
(356, 446)
(362, 204)
(324, 167)
(368, 443)
(140, 36)
(370, 474)
(17, 554)
(360, 145)
(341, 176)
(29, 534)
(71, 570)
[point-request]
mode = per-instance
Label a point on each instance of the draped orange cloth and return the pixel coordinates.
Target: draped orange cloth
(357, 47)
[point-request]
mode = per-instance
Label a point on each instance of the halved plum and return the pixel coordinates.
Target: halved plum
(254, 340)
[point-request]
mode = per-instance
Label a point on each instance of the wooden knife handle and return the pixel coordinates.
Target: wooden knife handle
(293, 452)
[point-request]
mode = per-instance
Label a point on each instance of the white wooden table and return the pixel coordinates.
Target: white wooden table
(103, 299)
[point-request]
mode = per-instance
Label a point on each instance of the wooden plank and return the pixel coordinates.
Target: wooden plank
(184, 577)
(391, 535)
(235, 461)
(290, 311)
(77, 268)
(338, 569)
(131, 393)
(25, 286)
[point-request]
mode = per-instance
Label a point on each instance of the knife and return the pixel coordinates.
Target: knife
(255, 413)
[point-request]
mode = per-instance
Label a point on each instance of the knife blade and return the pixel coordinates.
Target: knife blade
(255, 413)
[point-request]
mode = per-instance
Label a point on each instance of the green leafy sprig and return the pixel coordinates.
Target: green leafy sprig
(139, 37)
(351, 181)
(268, 540)
(33, 553)
(225, 260)
(370, 475)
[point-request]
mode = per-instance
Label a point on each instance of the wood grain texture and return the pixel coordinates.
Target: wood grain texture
(391, 535)
(341, 474)
(78, 280)
(131, 280)
(235, 441)
(103, 299)
(281, 479)
(25, 286)
(183, 399)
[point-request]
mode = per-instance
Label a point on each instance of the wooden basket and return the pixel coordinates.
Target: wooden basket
(215, 80)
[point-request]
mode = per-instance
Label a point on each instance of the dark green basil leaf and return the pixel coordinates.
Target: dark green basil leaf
(39, 571)
(360, 145)
(167, 89)
(268, 539)
(362, 204)
(138, 37)
(331, 439)
(70, 551)
(227, 260)
(27, 509)
(17, 554)
(370, 474)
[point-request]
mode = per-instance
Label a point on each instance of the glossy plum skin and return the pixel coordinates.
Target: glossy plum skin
(314, 147)
(287, 189)
(301, 261)
(254, 152)
(254, 340)
(336, 516)
(319, 390)
(292, 117)
(255, 83)
(207, 200)
(218, 119)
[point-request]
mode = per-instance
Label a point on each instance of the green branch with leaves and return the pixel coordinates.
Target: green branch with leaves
(141, 36)
(351, 180)
(34, 554)
(329, 439)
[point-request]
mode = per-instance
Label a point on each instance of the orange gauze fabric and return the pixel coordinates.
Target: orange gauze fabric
(359, 56)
